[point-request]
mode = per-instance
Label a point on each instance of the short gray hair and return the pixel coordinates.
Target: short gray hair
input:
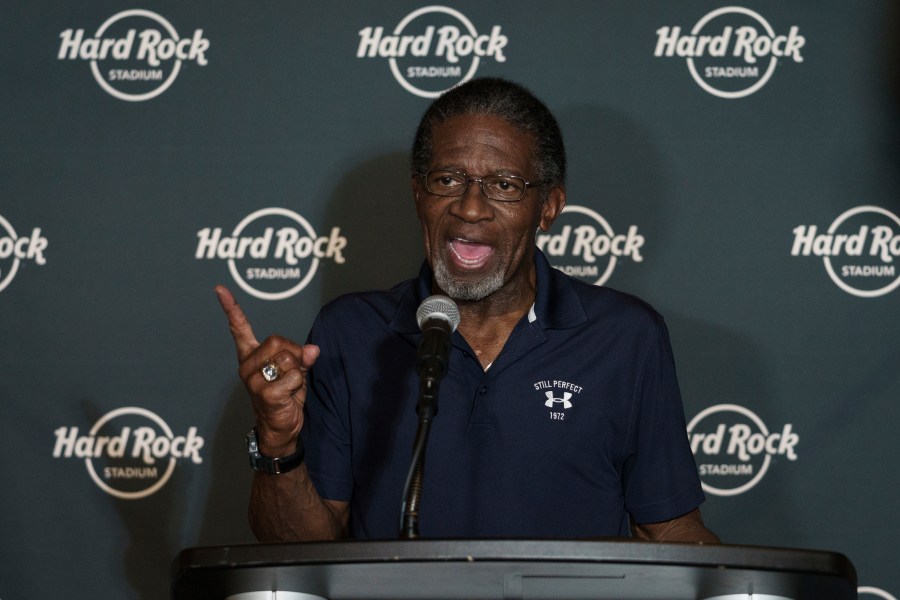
(506, 100)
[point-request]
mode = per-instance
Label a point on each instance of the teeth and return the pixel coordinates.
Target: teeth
(468, 261)
(455, 242)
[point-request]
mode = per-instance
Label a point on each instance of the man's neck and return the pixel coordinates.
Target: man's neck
(486, 324)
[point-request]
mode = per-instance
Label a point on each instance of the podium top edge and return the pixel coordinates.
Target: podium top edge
(618, 551)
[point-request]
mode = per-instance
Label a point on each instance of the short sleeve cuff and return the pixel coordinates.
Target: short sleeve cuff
(669, 509)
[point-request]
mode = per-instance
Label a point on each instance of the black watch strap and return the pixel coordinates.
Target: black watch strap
(267, 464)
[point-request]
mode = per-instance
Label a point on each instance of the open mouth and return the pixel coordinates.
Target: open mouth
(470, 254)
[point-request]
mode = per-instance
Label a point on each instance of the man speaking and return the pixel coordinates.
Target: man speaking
(559, 414)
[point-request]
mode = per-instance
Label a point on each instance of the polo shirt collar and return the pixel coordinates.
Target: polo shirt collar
(404, 320)
(556, 306)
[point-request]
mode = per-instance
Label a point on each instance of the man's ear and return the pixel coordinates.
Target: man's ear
(553, 205)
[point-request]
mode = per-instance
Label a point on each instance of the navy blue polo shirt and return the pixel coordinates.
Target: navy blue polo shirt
(577, 424)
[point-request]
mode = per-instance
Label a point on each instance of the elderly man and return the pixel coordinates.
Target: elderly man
(560, 415)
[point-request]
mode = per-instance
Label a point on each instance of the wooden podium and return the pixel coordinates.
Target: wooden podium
(509, 570)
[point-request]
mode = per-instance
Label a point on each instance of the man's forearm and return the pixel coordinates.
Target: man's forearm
(686, 528)
(287, 508)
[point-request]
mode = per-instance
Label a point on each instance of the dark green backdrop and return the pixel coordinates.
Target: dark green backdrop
(721, 197)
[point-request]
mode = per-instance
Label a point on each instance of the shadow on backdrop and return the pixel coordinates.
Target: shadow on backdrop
(616, 168)
(717, 365)
(151, 543)
(225, 509)
(374, 206)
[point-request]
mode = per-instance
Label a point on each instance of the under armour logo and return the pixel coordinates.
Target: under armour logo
(564, 400)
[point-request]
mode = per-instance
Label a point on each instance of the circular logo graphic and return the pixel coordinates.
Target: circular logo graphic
(858, 250)
(7, 253)
(289, 249)
(432, 49)
(14, 249)
(582, 244)
(129, 79)
(748, 70)
(130, 452)
(452, 71)
(135, 55)
(734, 448)
(873, 591)
(871, 274)
(273, 253)
(731, 52)
(130, 475)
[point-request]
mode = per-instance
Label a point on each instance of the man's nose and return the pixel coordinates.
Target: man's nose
(473, 205)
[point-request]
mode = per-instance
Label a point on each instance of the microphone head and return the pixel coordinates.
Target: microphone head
(438, 307)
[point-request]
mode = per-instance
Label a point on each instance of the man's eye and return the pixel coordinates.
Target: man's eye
(447, 181)
(505, 186)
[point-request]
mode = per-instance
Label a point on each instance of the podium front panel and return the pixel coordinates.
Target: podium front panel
(511, 570)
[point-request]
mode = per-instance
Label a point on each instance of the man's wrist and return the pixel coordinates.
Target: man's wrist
(274, 465)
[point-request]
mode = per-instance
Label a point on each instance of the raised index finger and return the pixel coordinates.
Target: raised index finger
(241, 331)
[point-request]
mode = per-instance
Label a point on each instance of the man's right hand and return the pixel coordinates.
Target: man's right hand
(278, 404)
(283, 508)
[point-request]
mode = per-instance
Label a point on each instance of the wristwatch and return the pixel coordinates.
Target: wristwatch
(267, 464)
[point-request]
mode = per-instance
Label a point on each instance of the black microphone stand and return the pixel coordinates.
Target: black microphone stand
(432, 369)
(426, 409)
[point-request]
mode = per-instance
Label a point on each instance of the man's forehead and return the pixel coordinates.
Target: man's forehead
(489, 133)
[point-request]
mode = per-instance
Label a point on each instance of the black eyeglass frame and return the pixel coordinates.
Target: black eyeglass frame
(481, 183)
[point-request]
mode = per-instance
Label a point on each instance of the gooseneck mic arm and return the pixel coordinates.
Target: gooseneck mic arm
(438, 317)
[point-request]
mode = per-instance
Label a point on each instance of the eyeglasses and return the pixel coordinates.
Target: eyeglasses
(502, 188)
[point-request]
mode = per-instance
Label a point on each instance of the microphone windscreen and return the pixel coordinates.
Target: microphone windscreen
(438, 307)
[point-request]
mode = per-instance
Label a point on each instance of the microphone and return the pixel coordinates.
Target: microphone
(438, 317)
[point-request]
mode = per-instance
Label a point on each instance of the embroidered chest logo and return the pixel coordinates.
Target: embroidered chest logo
(564, 400)
(558, 396)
